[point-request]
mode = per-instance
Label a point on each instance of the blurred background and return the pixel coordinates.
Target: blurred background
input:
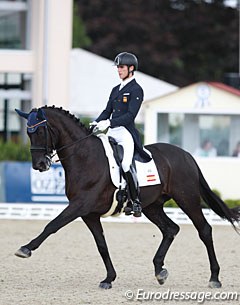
(61, 52)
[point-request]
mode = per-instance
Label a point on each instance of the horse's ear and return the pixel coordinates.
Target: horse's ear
(22, 114)
(40, 114)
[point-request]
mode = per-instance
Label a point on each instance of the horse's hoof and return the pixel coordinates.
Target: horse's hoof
(23, 252)
(214, 284)
(162, 276)
(105, 285)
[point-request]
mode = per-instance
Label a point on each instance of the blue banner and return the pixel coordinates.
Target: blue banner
(20, 183)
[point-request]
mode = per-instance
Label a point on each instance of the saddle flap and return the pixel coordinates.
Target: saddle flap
(147, 173)
(117, 150)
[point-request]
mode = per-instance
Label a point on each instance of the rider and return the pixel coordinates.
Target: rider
(123, 105)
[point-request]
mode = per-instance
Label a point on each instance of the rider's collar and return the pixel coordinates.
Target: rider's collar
(126, 81)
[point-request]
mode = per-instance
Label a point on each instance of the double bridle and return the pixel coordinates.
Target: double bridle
(48, 131)
(45, 124)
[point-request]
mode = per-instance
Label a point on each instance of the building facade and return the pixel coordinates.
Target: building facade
(203, 119)
(35, 43)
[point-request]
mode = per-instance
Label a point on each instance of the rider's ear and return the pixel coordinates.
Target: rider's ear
(131, 69)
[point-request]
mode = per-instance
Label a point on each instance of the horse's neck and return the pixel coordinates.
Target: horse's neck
(86, 159)
(66, 129)
(71, 133)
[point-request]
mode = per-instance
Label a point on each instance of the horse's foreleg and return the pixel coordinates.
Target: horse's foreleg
(169, 229)
(70, 213)
(95, 226)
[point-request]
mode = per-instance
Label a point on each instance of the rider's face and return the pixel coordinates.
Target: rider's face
(123, 71)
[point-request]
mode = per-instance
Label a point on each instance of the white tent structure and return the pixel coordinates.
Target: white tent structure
(92, 77)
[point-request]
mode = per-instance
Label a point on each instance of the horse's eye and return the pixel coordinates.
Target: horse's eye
(40, 131)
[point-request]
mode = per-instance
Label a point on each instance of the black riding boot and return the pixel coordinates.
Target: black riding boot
(133, 190)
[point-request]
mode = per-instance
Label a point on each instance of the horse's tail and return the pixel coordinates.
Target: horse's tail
(217, 204)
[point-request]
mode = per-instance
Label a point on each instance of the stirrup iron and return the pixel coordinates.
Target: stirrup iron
(137, 209)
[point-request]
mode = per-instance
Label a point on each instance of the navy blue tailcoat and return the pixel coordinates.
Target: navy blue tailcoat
(122, 108)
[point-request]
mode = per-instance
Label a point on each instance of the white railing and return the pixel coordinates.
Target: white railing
(50, 211)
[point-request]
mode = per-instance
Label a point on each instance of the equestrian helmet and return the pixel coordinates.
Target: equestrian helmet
(126, 58)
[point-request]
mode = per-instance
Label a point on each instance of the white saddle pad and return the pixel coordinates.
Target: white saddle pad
(147, 173)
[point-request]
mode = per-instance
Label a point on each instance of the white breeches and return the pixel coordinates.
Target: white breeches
(124, 138)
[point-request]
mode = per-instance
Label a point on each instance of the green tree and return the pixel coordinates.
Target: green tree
(180, 41)
(11, 151)
(80, 38)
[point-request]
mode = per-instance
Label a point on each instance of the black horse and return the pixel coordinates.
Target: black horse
(90, 191)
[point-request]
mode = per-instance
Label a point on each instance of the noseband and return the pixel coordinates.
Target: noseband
(46, 148)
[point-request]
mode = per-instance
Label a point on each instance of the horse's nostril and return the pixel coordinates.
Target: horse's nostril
(41, 166)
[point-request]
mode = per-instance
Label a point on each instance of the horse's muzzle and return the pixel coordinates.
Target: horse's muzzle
(43, 164)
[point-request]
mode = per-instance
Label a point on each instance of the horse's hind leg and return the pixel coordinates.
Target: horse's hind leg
(169, 229)
(205, 233)
(195, 213)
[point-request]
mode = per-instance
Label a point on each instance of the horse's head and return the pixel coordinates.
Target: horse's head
(38, 132)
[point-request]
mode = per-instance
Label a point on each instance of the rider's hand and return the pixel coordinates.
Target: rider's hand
(93, 124)
(102, 125)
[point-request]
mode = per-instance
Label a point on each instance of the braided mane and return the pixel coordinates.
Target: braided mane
(68, 114)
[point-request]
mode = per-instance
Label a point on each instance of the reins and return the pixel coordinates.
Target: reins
(69, 145)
